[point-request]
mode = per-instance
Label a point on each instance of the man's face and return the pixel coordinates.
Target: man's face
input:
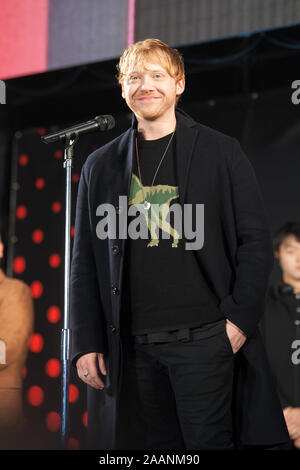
(150, 92)
(289, 257)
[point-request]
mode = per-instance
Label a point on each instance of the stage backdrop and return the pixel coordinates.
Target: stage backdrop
(268, 128)
(42, 35)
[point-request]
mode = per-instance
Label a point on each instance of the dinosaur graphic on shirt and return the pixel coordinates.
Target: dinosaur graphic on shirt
(155, 217)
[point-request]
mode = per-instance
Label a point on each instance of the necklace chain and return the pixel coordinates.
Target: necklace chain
(147, 203)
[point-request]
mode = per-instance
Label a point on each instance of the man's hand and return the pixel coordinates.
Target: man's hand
(236, 337)
(292, 418)
(297, 443)
(87, 369)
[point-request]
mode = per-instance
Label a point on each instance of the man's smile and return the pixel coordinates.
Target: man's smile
(148, 98)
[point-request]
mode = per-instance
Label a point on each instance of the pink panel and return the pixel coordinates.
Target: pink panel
(131, 22)
(23, 38)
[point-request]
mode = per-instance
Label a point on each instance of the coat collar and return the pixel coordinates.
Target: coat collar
(185, 138)
(281, 289)
(181, 117)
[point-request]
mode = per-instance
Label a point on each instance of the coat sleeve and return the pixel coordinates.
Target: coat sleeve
(254, 257)
(86, 317)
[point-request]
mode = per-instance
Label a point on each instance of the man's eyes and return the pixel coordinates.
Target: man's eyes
(136, 77)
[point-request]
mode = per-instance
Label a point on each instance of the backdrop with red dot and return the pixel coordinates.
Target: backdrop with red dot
(38, 259)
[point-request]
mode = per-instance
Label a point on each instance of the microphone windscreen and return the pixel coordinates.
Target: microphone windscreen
(106, 122)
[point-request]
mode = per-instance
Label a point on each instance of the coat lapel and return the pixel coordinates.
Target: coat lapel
(122, 167)
(186, 136)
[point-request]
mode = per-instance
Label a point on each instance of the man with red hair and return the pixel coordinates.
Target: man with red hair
(166, 336)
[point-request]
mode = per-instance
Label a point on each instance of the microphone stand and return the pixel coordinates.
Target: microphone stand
(69, 137)
(69, 142)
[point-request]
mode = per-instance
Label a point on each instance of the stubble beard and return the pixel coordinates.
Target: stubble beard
(148, 114)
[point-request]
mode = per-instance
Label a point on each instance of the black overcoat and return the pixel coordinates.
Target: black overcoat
(236, 259)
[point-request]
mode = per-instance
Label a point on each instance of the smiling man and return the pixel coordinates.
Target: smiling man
(160, 333)
(151, 93)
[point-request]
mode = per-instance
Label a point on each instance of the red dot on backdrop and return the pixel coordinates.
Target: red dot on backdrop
(24, 372)
(53, 421)
(21, 212)
(54, 260)
(35, 395)
(75, 178)
(72, 231)
(41, 130)
(73, 393)
(36, 289)
(40, 183)
(58, 154)
(53, 367)
(56, 207)
(53, 314)
(73, 443)
(85, 419)
(37, 236)
(19, 264)
(23, 159)
(36, 343)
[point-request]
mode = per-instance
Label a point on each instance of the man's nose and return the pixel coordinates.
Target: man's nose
(146, 83)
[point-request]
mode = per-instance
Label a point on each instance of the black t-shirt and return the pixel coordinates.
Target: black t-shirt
(163, 288)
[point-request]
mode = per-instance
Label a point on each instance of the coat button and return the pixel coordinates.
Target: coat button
(113, 328)
(298, 309)
(115, 290)
(297, 322)
(115, 249)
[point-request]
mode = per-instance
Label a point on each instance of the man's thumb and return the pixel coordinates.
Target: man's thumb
(102, 364)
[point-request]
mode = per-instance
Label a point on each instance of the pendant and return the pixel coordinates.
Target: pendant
(146, 205)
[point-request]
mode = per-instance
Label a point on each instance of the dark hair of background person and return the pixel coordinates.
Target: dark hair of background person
(289, 228)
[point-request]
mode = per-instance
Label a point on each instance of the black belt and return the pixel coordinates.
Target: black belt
(183, 334)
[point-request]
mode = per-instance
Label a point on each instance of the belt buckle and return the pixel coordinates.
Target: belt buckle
(184, 335)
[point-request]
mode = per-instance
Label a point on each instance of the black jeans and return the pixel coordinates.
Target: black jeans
(177, 395)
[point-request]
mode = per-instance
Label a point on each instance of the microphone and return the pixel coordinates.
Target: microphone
(101, 123)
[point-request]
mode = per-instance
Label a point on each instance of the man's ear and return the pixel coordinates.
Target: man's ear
(276, 254)
(180, 86)
(123, 93)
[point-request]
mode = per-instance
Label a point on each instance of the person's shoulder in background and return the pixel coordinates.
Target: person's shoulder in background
(16, 317)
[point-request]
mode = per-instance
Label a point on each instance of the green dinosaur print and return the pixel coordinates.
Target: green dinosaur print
(156, 217)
